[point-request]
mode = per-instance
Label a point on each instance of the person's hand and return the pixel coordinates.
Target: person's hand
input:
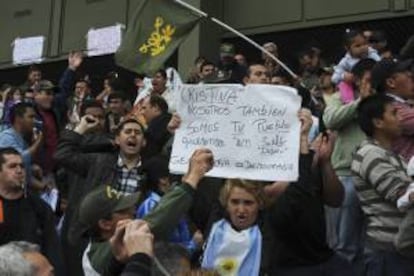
(326, 147)
(87, 123)
(37, 137)
(5, 93)
(305, 117)
(201, 162)
(348, 77)
(174, 123)
(315, 92)
(138, 238)
(75, 60)
(117, 241)
(365, 89)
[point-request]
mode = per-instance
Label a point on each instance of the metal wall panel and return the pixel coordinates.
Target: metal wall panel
(22, 18)
(250, 14)
(319, 9)
(81, 15)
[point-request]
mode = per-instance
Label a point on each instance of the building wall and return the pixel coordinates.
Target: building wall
(264, 16)
(65, 23)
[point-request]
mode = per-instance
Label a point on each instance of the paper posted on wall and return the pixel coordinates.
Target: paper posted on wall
(104, 41)
(252, 130)
(28, 50)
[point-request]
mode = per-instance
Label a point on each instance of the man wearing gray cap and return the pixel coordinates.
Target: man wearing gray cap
(104, 214)
(395, 79)
(50, 105)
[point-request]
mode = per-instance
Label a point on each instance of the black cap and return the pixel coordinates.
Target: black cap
(384, 69)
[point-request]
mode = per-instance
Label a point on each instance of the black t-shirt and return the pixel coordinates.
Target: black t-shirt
(21, 221)
(30, 219)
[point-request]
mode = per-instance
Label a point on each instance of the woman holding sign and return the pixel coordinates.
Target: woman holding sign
(252, 233)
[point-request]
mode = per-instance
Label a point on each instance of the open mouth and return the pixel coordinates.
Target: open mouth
(241, 219)
(131, 144)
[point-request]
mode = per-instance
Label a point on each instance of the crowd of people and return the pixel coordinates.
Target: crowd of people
(85, 187)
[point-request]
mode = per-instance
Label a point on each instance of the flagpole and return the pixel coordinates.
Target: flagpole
(236, 32)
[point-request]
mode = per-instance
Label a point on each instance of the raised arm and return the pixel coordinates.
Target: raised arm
(332, 189)
(338, 115)
(69, 150)
(340, 70)
(177, 202)
(67, 80)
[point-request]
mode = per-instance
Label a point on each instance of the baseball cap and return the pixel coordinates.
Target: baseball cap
(101, 203)
(227, 49)
(385, 68)
(46, 85)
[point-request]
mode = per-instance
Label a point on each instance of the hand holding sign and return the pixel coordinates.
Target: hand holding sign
(200, 163)
(174, 123)
(253, 130)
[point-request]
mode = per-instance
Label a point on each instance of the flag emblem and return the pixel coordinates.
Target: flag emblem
(159, 38)
(153, 34)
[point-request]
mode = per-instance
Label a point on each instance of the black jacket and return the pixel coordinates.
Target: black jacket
(156, 136)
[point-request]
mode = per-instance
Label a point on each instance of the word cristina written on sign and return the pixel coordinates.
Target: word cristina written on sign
(253, 131)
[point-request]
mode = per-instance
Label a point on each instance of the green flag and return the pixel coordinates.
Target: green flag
(156, 30)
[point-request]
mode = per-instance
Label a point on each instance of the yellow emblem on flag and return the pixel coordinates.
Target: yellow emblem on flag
(159, 38)
(228, 267)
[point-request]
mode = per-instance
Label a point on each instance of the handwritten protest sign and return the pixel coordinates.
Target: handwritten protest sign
(253, 131)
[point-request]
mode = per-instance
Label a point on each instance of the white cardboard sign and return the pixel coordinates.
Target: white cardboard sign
(104, 41)
(28, 50)
(253, 131)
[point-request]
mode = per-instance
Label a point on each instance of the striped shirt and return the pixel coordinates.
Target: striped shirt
(380, 178)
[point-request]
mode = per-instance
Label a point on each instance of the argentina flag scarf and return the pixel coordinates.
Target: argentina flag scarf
(230, 252)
